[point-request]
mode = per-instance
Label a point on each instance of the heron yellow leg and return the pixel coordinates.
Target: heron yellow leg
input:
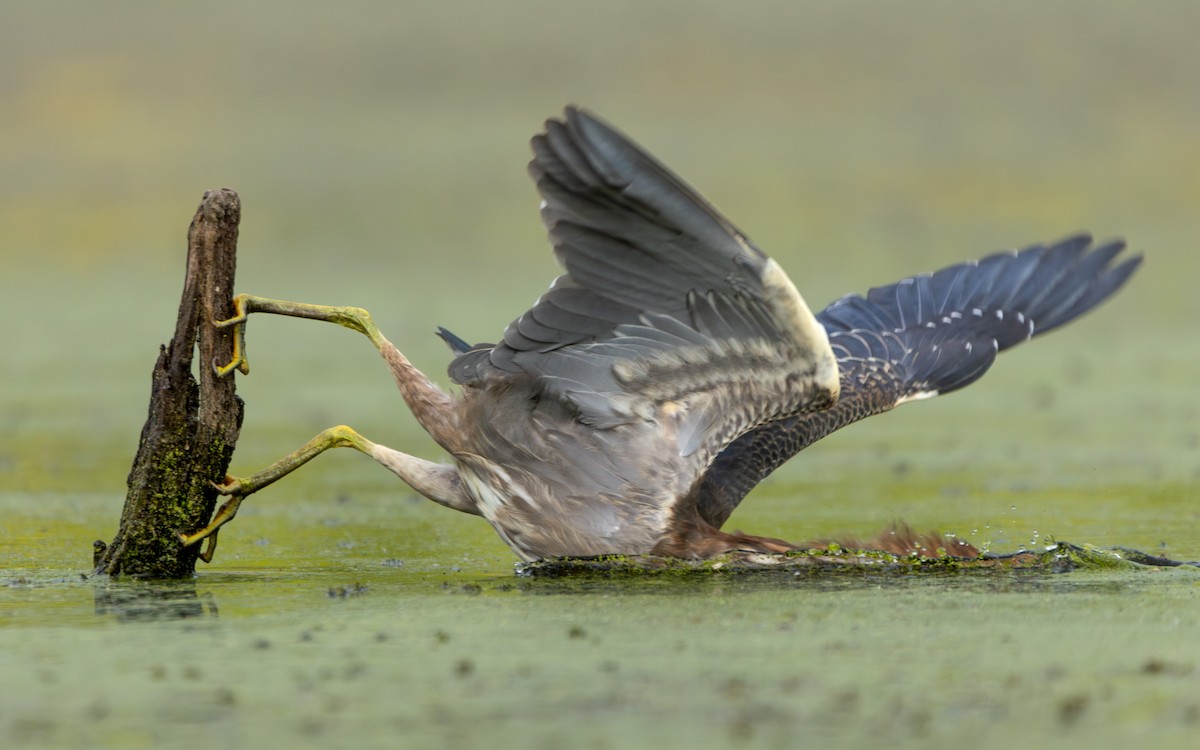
(238, 488)
(354, 318)
(429, 404)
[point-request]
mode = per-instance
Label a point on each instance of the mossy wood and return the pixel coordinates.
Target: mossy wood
(192, 427)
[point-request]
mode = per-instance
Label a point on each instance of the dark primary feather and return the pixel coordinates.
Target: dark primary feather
(456, 344)
(923, 336)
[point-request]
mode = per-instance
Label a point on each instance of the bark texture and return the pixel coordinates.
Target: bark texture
(192, 427)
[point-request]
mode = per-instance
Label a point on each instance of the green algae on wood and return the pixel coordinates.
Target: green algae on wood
(189, 435)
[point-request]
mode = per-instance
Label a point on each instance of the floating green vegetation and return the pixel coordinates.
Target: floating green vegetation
(1059, 557)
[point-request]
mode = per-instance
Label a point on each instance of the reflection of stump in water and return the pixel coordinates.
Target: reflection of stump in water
(137, 601)
(190, 432)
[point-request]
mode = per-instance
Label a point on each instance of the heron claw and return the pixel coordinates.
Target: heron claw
(238, 321)
(223, 516)
(229, 486)
(239, 318)
(238, 364)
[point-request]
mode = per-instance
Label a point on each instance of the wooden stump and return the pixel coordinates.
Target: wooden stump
(190, 432)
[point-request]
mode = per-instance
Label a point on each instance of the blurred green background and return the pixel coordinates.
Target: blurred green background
(380, 148)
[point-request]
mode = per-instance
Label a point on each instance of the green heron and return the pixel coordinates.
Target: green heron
(674, 365)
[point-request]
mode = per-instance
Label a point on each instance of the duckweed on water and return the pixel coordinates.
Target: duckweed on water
(833, 560)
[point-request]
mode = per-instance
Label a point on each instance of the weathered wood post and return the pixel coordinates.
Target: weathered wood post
(190, 432)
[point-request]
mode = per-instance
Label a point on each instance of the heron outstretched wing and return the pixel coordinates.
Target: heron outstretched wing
(663, 303)
(923, 336)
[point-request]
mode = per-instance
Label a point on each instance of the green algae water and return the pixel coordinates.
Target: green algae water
(350, 650)
(856, 146)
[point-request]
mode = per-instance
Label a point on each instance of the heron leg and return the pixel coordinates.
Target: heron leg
(238, 488)
(438, 482)
(354, 318)
(432, 407)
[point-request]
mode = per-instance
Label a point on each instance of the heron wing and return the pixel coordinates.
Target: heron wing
(663, 302)
(923, 336)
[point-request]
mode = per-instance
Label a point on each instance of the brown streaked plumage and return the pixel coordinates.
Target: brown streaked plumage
(673, 365)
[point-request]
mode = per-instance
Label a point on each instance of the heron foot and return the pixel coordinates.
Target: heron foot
(238, 361)
(223, 516)
(232, 486)
(239, 488)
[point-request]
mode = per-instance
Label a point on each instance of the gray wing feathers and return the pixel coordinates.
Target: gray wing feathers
(621, 222)
(662, 299)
